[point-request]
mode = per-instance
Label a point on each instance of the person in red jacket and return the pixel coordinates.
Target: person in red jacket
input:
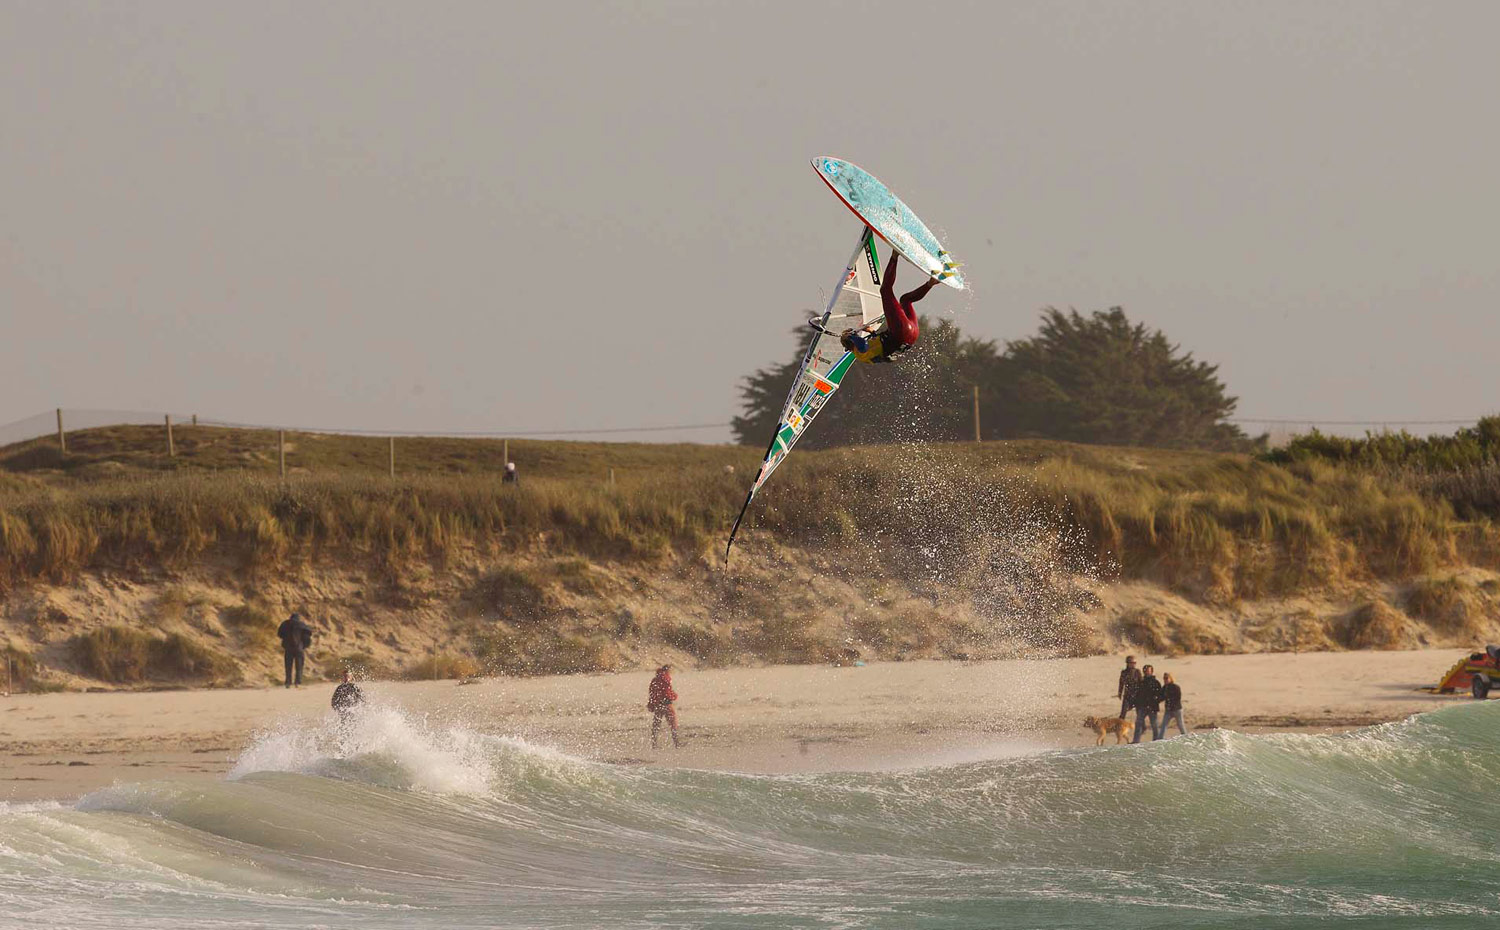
(659, 700)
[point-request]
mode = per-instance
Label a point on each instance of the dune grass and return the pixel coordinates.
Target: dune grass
(1216, 527)
(126, 655)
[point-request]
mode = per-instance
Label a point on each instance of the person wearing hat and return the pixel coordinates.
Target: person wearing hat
(1130, 676)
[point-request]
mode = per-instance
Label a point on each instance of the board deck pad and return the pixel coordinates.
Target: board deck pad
(885, 213)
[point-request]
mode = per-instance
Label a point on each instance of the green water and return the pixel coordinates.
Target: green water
(398, 826)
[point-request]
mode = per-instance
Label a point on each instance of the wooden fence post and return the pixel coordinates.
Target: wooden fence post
(62, 438)
(171, 448)
(281, 452)
(976, 414)
(393, 456)
(504, 452)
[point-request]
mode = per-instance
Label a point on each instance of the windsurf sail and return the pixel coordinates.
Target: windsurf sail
(855, 302)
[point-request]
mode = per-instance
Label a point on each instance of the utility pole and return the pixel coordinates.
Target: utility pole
(976, 414)
(171, 448)
(62, 438)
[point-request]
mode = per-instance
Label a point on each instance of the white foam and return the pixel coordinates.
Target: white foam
(442, 760)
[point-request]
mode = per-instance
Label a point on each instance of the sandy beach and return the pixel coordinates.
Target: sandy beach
(774, 719)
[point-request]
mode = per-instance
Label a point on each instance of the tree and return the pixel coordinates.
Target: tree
(923, 395)
(1103, 379)
(1098, 379)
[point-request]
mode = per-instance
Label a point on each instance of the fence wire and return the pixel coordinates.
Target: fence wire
(45, 424)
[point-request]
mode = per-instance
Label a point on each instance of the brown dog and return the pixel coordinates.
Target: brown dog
(1105, 725)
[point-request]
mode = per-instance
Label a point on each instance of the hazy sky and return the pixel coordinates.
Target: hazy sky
(511, 216)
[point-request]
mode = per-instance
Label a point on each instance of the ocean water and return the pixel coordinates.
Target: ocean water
(396, 824)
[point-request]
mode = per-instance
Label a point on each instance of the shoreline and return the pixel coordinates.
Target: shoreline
(773, 719)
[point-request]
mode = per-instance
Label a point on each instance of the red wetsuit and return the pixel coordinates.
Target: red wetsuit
(900, 316)
(900, 323)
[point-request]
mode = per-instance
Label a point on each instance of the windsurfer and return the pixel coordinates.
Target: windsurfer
(899, 331)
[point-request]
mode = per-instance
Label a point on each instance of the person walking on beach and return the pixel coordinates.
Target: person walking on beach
(1171, 695)
(296, 638)
(659, 700)
(1147, 703)
(1130, 676)
(347, 696)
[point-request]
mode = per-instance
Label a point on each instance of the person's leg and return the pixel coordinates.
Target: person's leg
(1140, 724)
(655, 726)
(1155, 727)
(1124, 707)
(288, 657)
(300, 658)
(1177, 716)
(911, 297)
(888, 283)
(672, 722)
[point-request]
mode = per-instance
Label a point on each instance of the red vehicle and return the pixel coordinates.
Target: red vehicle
(1478, 673)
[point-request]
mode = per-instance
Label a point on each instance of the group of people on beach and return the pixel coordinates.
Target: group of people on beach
(1139, 690)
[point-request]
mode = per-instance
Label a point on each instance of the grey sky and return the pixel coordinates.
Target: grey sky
(567, 215)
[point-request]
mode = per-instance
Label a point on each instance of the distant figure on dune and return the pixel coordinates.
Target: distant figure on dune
(1171, 694)
(659, 700)
(296, 638)
(347, 696)
(510, 476)
(1130, 676)
(1147, 703)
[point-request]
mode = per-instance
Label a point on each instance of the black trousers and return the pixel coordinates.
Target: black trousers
(293, 659)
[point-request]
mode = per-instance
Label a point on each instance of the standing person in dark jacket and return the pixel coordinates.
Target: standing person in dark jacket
(1147, 703)
(296, 637)
(1171, 694)
(659, 700)
(1130, 676)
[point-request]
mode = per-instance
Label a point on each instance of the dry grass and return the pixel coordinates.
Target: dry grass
(1452, 606)
(503, 650)
(1378, 625)
(253, 623)
(18, 667)
(1162, 634)
(125, 655)
(363, 665)
(441, 666)
(1216, 528)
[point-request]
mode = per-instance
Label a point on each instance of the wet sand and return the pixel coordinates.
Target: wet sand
(774, 719)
